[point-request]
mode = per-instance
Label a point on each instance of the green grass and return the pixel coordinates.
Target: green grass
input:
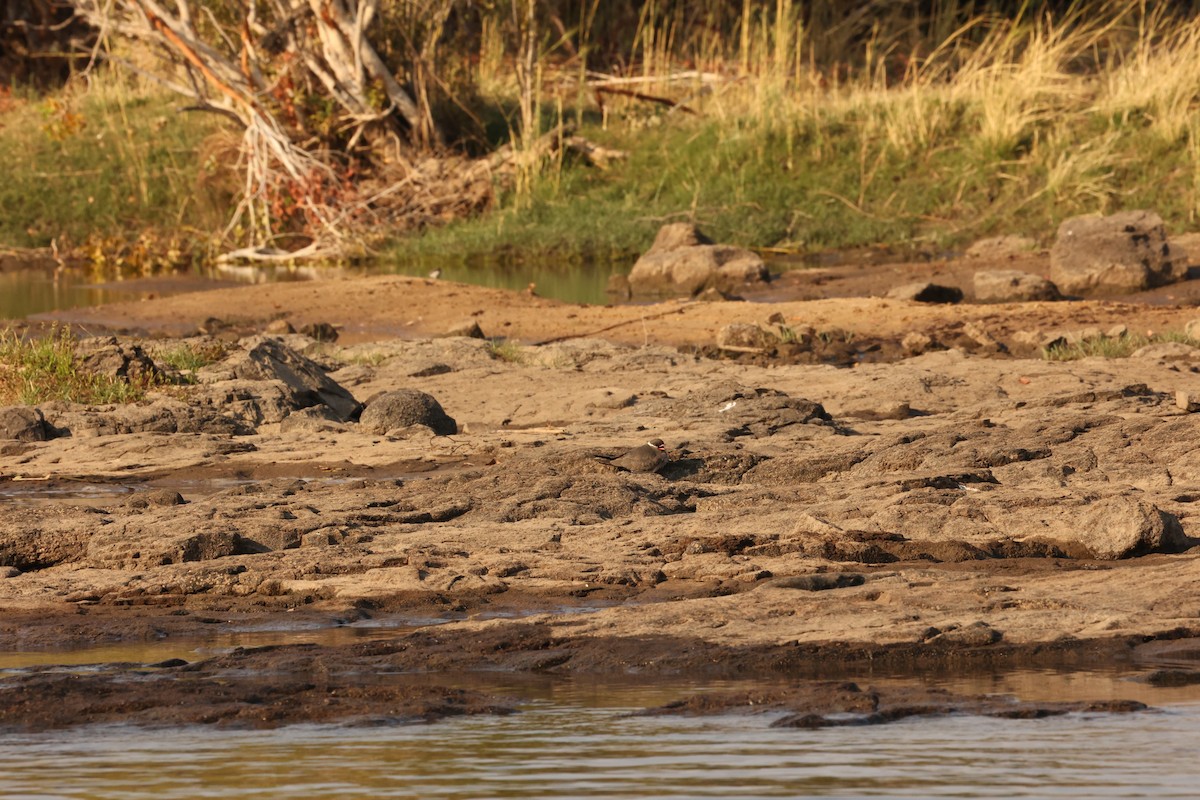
(506, 350)
(108, 162)
(1009, 126)
(1112, 346)
(185, 358)
(37, 370)
(818, 190)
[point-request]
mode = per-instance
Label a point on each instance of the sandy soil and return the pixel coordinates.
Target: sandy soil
(964, 506)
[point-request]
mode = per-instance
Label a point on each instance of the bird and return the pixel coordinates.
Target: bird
(649, 457)
(435, 274)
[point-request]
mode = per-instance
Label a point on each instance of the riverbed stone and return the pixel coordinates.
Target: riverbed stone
(107, 357)
(1013, 286)
(1167, 351)
(23, 423)
(268, 359)
(682, 260)
(926, 292)
(404, 407)
(1121, 253)
(1122, 527)
(995, 247)
(740, 336)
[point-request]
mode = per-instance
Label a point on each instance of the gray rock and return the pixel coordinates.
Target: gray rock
(1013, 286)
(1122, 527)
(882, 409)
(279, 327)
(159, 416)
(1166, 351)
(314, 418)
(404, 407)
(1124, 252)
(818, 582)
(924, 292)
(267, 359)
(109, 358)
(23, 423)
(248, 403)
(1001, 247)
(745, 336)
(683, 261)
(468, 328)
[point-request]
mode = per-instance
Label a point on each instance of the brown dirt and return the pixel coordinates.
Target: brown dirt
(970, 506)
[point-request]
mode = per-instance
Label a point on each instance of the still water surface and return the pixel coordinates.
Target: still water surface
(34, 291)
(572, 747)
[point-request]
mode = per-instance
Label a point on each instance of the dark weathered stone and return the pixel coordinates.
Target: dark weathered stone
(404, 407)
(23, 423)
(683, 261)
(1124, 252)
(109, 358)
(1013, 286)
(267, 359)
(921, 292)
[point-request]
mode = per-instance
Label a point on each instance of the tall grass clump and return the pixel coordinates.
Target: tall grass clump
(110, 157)
(36, 370)
(771, 123)
(807, 126)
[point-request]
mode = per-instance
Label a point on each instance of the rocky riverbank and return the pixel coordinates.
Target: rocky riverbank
(963, 505)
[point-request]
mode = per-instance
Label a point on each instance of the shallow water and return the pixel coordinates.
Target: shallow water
(574, 739)
(24, 293)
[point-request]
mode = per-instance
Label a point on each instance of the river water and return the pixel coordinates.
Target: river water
(25, 292)
(575, 739)
(578, 737)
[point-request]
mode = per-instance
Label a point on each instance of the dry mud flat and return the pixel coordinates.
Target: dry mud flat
(958, 507)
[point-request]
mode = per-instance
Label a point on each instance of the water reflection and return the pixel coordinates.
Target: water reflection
(25, 292)
(37, 291)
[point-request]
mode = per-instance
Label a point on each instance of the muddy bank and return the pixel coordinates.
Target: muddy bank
(429, 675)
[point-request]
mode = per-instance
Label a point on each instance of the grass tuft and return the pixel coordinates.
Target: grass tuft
(35, 371)
(506, 350)
(1112, 346)
(186, 358)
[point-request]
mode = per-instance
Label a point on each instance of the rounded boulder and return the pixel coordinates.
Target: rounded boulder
(404, 407)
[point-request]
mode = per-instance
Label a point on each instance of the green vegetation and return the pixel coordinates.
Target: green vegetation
(506, 350)
(1121, 346)
(37, 370)
(769, 124)
(1005, 126)
(113, 167)
(185, 358)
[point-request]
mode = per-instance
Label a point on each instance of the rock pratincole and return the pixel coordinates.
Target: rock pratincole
(649, 457)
